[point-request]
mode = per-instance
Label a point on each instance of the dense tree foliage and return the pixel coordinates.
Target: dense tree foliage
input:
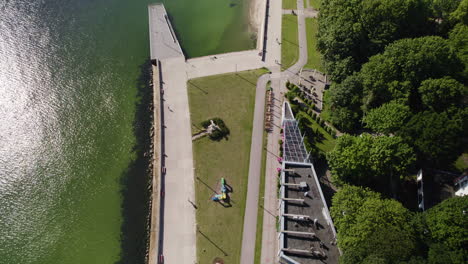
(442, 11)
(388, 118)
(369, 161)
(460, 15)
(400, 69)
(439, 95)
(448, 222)
(459, 41)
(376, 230)
(436, 137)
(371, 229)
(350, 31)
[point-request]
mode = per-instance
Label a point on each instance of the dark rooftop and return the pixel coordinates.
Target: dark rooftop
(314, 207)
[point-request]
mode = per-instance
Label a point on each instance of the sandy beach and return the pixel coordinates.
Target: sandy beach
(256, 17)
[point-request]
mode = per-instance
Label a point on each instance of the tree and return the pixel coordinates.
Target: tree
(388, 118)
(345, 102)
(440, 94)
(352, 31)
(399, 71)
(458, 38)
(442, 11)
(448, 222)
(460, 15)
(369, 161)
(371, 229)
(436, 138)
(346, 203)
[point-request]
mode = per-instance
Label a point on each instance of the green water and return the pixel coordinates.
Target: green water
(207, 27)
(74, 122)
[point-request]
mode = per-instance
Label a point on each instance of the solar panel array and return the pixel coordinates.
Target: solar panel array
(294, 149)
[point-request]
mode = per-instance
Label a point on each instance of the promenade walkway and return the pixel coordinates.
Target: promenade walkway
(270, 235)
(177, 235)
(178, 228)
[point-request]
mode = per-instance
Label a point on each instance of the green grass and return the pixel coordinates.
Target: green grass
(325, 114)
(289, 4)
(328, 142)
(314, 59)
(289, 42)
(461, 163)
(258, 239)
(230, 97)
(315, 4)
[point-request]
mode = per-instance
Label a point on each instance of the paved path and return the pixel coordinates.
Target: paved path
(179, 245)
(270, 235)
(251, 205)
(224, 63)
(305, 12)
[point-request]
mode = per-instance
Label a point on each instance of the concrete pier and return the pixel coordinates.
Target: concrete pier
(173, 231)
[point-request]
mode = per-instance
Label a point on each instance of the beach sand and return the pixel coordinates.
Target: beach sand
(256, 17)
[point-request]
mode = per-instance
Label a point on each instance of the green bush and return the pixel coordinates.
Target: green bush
(280, 142)
(281, 153)
(205, 123)
(220, 133)
(295, 108)
(312, 106)
(290, 96)
(314, 116)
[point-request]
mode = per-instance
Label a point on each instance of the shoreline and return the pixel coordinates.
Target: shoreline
(256, 17)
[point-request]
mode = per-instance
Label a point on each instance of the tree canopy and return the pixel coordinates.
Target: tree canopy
(352, 31)
(436, 137)
(441, 94)
(371, 229)
(388, 118)
(448, 222)
(369, 161)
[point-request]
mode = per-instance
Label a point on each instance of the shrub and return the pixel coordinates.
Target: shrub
(220, 133)
(290, 96)
(280, 142)
(314, 116)
(312, 106)
(205, 123)
(295, 108)
(281, 153)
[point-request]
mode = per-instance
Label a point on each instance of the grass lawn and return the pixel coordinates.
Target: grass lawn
(261, 194)
(289, 4)
(328, 142)
(230, 97)
(325, 114)
(314, 59)
(315, 4)
(289, 42)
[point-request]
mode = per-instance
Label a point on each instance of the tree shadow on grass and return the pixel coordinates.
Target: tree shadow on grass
(136, 180)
